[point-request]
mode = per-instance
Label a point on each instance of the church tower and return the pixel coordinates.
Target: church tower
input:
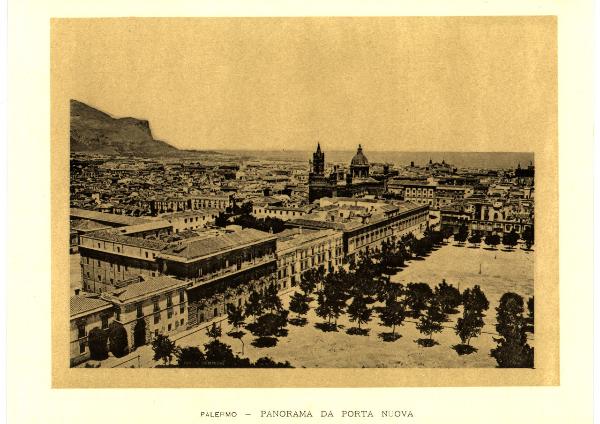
(318, 162)
(318, 184)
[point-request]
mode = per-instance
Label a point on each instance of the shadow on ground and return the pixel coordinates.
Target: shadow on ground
(355, 331)
(326, 326)
(264, 342)
(389, 337)
(463, 349)
(426, 342)
(298, 322)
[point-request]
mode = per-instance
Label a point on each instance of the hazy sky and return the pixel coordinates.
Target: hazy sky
(452, 84)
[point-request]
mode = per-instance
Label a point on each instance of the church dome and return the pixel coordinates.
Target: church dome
(359, 158)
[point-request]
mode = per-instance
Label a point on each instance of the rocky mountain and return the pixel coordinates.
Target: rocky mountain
(93, 131)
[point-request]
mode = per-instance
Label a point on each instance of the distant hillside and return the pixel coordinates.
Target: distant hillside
(93, 131)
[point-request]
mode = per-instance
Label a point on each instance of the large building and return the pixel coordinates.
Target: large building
(299, 250)
(356, 182)
(488, 216)
(221, 266)
(365, 223)
(429, 192)
(160, 205)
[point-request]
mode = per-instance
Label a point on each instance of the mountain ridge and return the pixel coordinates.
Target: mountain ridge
(94, 131)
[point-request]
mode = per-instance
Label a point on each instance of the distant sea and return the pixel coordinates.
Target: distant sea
(487, 160)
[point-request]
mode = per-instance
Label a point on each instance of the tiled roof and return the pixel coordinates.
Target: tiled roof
(220, 242)
(146, 226)
(147, 287)
(111, 235)
(105, 217)
(294, 240)
(82, 304)
(87, 225)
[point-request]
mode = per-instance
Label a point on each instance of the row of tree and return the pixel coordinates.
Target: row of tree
(510, 240)
(216, 354)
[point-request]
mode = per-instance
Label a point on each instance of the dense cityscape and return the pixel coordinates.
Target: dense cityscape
(164, 250)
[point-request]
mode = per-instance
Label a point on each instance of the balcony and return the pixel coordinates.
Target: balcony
(232, 270)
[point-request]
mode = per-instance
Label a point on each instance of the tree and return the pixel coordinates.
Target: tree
(393, 313)
(448, 296)
(117, 339)
(390, 257)
(271, 300)
(474, 299)
(235, 316)
(422, 246)
(436, 237)
(417, 296)
(492, 240)
(269, 326)
(222, 220)
(469, 326)
(308, 283)
(218, 355)
(310, 278)
(431, 321)
(447, 232)
(530, 318)
(246, 208)
(463, 233)
(475, 238)
(527, 237)
(512, 350)
(323, 309)
(213, 331)
(254, 306)
(266, 362)
(164, 348)
(332, 298)
(189, 357)
(510, 240)
(299, 304)
(139, 333)
(358, 311)
(98, 344)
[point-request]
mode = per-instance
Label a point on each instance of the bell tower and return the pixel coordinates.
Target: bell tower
(318, 162)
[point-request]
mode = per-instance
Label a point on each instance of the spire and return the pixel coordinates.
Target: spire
(359, 148)
(318, 147)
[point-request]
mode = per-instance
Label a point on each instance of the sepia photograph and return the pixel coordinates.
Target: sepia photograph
(307, 193)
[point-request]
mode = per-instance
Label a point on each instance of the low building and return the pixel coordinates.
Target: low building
(284, 213)
(191, 220)
(160, 302)
(86, 313)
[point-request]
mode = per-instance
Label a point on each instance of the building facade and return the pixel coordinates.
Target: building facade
(86, 313)
(299, 251)
(155, 305)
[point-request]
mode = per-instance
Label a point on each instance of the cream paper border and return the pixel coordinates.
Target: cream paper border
(30, 397)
